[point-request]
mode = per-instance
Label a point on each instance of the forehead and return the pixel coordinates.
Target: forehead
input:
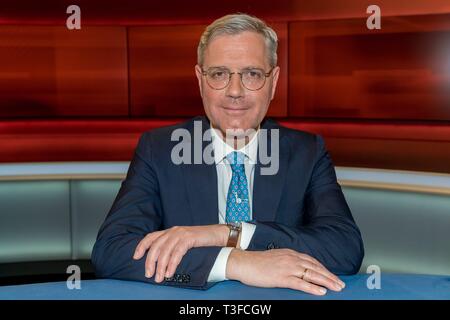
(239, 50)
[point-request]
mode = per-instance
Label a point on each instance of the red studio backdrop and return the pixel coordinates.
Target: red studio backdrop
(381, 98)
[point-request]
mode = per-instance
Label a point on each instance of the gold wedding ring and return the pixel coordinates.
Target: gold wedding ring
(303, 273)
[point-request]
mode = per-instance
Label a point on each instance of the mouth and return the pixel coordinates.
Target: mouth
(234, 110)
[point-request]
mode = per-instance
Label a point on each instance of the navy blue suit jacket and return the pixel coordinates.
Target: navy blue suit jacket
(302, 207)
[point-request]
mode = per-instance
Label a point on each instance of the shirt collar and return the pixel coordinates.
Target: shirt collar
(221, 148)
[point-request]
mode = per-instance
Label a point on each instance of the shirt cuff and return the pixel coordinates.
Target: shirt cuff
(248, 229)
(219, 269)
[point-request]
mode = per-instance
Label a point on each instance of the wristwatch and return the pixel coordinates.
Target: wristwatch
(235, 230)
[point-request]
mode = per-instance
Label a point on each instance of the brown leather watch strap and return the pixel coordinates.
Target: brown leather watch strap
(235, 230)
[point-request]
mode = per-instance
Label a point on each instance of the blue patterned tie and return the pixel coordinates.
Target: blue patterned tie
(238, 208)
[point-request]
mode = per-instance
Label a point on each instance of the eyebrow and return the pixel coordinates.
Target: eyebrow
(245, 68)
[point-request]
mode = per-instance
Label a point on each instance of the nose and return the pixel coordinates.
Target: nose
(235, 89)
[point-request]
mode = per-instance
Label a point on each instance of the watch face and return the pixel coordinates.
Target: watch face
(235, 225)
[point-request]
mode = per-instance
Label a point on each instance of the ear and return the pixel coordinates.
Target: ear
(198, 74)
(275, 75)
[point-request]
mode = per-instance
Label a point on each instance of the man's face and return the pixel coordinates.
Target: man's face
(235, 107)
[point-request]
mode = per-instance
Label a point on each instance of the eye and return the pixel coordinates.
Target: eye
(254, 74)
(217, 74)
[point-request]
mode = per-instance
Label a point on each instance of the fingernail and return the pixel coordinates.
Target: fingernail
(147, 274)
(342, 285)
(338, 287)
(323, 290)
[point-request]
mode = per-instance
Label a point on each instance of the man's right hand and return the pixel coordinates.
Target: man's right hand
(282, 268)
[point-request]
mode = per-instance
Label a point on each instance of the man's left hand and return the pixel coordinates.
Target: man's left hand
(167, 247)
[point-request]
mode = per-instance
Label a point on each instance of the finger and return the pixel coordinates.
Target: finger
(153, 255)
(145, 243)
(296, 283)
(149, 264)
(175, 260)
(163, 260)
(319, 279)
(306, 265)
(311, 260)
(321, 268)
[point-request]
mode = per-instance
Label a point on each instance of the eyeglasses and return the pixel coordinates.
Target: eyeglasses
(252, 78)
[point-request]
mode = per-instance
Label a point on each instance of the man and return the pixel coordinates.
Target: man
(192, 225)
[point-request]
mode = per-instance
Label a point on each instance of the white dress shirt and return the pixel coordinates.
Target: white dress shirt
(224, 174)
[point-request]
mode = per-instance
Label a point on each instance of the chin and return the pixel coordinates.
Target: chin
(236, 125)
(240, 128)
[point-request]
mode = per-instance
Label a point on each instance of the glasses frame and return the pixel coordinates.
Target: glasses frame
(266, 75)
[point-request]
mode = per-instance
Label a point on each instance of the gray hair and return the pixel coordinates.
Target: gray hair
(234, 24)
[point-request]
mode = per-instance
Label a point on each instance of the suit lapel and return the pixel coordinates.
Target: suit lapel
(200, 182)
(267, 189)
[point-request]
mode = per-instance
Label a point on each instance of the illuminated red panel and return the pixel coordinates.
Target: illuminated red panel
(162, 78)
(279, 105)
(53, 72)
(419, 147)
(389, 145)
(118, 12)
(340, 69)
(73, 140)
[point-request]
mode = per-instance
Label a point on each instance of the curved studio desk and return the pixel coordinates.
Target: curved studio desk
(392, 287)
(403, 216)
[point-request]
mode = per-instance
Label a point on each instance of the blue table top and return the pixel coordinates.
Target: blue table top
(393, 287)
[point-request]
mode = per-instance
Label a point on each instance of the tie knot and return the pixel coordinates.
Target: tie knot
(236, 159)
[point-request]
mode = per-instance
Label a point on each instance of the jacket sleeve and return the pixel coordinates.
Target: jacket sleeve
(136, 212)
(328, 233)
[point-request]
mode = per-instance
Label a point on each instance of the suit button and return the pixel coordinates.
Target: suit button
(271, 246)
